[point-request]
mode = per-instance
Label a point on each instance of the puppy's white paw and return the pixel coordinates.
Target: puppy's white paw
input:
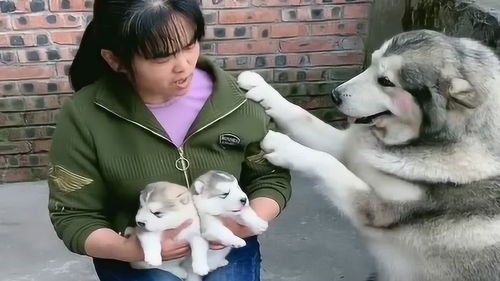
(153, 260)
(238, 243)
(249, 79)
(259, 226)
(200, 268)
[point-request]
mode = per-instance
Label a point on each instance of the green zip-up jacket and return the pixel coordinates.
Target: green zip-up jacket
(108, 146)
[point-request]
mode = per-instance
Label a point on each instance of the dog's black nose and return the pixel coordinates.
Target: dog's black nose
(243, 201)
(336, 97)
(141, 224)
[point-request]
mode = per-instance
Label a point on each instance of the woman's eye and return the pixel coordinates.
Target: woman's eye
(162, 59)
(385, 82)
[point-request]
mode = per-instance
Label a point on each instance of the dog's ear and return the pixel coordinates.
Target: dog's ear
(461, 92)
(185, 198)
(198, 187)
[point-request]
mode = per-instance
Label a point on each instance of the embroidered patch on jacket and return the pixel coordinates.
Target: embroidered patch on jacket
(228, 140)
(257, 158)
(66, 180)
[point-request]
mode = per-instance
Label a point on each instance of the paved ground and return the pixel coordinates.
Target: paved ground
(310, 242)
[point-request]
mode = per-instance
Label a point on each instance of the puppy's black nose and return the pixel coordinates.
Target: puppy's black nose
(243, 201)
(336, 97)
(141, 224)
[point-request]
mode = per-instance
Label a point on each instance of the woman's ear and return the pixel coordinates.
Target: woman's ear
(112, 60)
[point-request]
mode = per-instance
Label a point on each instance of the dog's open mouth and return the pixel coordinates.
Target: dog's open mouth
(368, 119)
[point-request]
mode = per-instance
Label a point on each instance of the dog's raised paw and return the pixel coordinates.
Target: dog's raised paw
(249, 79)
(259, 226)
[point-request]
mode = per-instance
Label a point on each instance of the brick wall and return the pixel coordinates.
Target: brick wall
(304, 47)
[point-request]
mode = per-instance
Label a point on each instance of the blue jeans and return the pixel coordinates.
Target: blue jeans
(244, 265)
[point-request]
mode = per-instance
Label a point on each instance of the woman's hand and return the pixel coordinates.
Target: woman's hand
(171, 248)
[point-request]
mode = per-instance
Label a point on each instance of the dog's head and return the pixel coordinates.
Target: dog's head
(421, 85)
(218, 193)
(160, 204)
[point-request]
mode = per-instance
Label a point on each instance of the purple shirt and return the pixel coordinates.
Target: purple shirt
(177, 116)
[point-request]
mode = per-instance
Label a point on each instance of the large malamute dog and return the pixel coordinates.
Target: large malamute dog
(418, 171)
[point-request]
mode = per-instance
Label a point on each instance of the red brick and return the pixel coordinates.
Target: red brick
(11, 119)
(46, 54)
(67, 37)
(308, 45)
(313, 102)
(278, 3)
(356, 11)
(46, 21)
(28, 40)
(28, 133)
(8, 89)
(26, 72)
(288, 30)
(335, 28)
(41, 145)
(249, 47)
(312, 13)
(5, 23)
(74, 6)
(15, 175)
(227, 32)
(41, 117)
(25, 160)
(41, 87)
(62, 69)
(209, 4)
(337, 58)
(249, 16)
(14, 147)
(42, 102)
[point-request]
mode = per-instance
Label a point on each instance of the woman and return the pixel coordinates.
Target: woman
(149, 108)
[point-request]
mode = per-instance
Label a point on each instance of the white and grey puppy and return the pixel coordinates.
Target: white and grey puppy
(418, 173)
(217, 194)
(164, 206)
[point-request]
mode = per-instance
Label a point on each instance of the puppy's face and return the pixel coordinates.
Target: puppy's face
(410, 90)
(160, 204)
(218, 193)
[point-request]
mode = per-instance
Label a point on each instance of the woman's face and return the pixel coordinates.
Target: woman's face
(170, 76)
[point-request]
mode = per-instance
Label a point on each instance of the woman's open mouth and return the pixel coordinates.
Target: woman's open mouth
(367, 119)
(183, 83)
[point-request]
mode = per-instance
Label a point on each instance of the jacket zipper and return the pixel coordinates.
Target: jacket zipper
(182, 163)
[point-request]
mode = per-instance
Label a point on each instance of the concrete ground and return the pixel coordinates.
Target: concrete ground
(310, 241)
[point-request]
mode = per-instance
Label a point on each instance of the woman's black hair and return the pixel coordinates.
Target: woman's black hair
(150, 28)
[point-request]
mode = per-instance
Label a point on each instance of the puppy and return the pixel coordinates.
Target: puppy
(164, 206)
(216, 194)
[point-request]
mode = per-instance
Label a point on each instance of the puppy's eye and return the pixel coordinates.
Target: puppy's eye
(158, 214)
(385, 82)
(224, 195)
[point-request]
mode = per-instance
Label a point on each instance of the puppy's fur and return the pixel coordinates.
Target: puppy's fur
(216, 194)
(164, 206)
(418, 172)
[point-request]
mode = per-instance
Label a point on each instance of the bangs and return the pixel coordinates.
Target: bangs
(161, 32)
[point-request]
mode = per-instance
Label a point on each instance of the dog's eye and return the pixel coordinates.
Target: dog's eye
(385, 82)
(224, 195)
(157, 214)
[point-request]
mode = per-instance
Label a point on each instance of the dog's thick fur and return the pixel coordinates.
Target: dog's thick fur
(164, 206)
(217, 194)
(421, 179)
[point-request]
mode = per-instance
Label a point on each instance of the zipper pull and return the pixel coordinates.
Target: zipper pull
(182, 163)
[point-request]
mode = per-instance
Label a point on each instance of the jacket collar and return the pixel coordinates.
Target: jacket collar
(116, 95)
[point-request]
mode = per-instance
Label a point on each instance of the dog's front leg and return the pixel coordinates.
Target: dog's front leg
(199, 251)
(151, 246)
(293, 120)
(216, 231)
(250, 219)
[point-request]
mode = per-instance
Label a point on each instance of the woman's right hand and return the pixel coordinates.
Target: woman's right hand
(172, 248)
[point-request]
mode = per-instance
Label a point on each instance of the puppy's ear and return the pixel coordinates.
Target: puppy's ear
(461, 92)
(185, 198)
(198, 187)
